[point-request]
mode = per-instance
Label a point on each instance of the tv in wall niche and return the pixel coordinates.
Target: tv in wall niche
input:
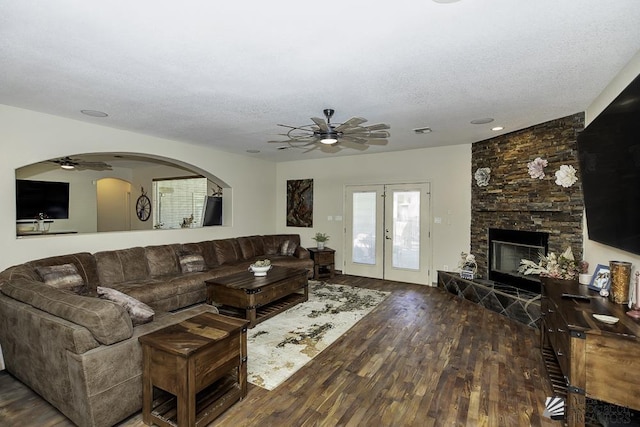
(42, 197)
(609, 154)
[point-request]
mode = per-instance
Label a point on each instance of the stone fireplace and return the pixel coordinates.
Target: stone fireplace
(515, 201)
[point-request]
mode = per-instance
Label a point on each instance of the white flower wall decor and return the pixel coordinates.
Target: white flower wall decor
(566, 176)
(536, 167)
(482, 176)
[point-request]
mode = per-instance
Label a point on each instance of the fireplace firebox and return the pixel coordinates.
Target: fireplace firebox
(507, 248)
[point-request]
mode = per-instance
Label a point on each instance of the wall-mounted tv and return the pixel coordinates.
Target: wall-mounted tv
(47, 197)
(212, 212)
(609, 153)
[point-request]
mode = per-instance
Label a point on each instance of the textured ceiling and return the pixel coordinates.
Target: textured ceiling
(223, 74)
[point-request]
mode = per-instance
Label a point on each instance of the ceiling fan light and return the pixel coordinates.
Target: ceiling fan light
(328, 141)
(67, 166)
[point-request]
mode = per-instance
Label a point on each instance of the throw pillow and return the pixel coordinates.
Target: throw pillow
(64, 277)
(288, 247)
(191, 262)
(139, 312)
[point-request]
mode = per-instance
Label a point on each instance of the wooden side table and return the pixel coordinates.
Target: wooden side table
(323, 262)
(202, 364)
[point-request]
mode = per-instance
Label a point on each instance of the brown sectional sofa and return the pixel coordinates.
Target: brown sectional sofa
(81, 352)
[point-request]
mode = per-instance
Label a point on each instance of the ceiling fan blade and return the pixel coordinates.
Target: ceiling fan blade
(378, 126)
(378, 142)
(379, 135)
(354, 145)
(321, 124)
(353, 138)
(288, 141)
(85, 166)
(312, 148)
(351, 123)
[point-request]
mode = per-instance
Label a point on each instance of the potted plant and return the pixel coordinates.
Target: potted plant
(320, 239)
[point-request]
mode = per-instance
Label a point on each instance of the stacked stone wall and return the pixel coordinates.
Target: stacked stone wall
(513, 200)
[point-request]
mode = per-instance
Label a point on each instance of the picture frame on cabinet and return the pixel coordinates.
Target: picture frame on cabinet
(601, 278)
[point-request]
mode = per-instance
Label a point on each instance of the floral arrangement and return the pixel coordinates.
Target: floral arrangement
(482, 176)
(467, 262)
(563, 267)
(566, 176)
(536, 167)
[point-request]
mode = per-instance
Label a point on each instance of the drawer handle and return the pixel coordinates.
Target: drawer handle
(560, 353)
(561, 330)
(550, 330)
(550, 311)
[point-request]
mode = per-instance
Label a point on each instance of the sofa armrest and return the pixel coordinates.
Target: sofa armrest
(301, 253)
(107, 322)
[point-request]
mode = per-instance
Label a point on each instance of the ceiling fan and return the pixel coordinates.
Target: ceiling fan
(330, 137)
(69, 164)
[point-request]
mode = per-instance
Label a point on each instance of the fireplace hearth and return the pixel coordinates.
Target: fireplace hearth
(507, 248)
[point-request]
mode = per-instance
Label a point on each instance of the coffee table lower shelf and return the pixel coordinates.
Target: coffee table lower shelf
(210, 403)
(268, 310)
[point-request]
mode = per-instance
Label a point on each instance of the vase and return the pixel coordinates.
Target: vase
(320, 245)
(620, 275)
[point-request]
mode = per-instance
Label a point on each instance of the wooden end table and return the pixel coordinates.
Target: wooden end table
(201, 362)
(323, 262)
(258, 298)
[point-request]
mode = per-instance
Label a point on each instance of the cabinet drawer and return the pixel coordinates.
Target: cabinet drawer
(324, 258)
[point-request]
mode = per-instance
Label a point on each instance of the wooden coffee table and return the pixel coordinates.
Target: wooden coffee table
(258, 298)
(200, 363)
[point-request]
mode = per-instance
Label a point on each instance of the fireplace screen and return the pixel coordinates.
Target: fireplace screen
(507, 256)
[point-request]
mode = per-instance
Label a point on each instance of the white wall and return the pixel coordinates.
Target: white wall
(29, 137)
(448, 169)
(597, 253)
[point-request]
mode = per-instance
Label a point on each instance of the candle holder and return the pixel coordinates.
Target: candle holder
(635, 311)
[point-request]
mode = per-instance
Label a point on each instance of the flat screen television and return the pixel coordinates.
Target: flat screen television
(212, 212)
(609, 156)
(47, 197)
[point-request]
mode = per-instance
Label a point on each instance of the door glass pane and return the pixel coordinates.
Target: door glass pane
(364, 228)
(406, 230)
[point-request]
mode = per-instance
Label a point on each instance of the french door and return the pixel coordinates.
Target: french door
(387, 232)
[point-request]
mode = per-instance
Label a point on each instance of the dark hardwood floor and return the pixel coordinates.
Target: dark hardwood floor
(421, 358)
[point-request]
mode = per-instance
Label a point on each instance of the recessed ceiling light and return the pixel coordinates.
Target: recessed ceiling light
(497, 128)
(423, 130)
(94, 113)
(481, 121)
(253, 151)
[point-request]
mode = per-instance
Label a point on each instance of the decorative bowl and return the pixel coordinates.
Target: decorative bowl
(259, 270)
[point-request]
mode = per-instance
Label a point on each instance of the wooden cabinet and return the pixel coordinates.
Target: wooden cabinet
(595, 359)
(323, 262)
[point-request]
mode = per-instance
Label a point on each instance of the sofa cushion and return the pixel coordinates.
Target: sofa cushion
(207, 249)
(288, 247)
(64, 277)
(121, 265)
(139, 312)
(108, 323)
(84, 262)
(228, 251)
(251, 246)
(162, 260)
(191, 262)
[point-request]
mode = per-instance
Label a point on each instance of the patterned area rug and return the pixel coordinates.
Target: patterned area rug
(279, 346)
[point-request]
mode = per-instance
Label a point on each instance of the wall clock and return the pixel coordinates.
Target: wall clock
(143, 207)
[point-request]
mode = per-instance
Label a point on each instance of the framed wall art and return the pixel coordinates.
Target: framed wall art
(300, 203)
